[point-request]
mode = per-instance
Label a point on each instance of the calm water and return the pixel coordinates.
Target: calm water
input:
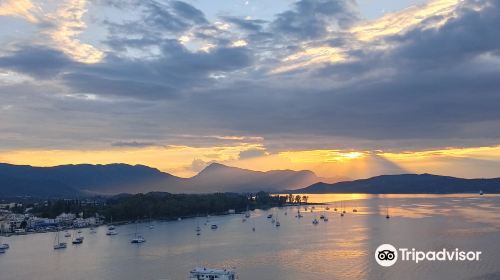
(342, 248)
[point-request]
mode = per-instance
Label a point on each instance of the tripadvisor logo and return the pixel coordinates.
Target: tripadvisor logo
(386, 255)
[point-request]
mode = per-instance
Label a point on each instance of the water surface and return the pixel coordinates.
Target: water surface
(341, 248)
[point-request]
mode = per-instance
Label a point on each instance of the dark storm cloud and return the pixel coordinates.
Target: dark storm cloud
(310, 18)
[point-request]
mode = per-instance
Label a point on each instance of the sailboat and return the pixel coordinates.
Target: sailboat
(3, 246)
(198, 229)
(253, 225)
(277, 221)
(57, 243)
(247, 213)
(387, 215)
(111, 228)
(137, 237)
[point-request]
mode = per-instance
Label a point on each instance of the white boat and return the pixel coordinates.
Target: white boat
(481, 192)
(111, 227)
(3, 246)
(111, 232)
(203, 273)
(67, 234)
(57, 243)
(269, 216)
(138, 239)
(247, 213)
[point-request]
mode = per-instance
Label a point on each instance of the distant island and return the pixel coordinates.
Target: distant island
(406, 183)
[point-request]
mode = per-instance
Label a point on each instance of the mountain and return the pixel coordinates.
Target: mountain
(407, 183)
(221, 178)
(66, 180)
(85, 179)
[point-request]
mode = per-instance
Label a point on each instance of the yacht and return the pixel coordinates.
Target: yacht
(78, 240)
(203, 273)
(138, 239)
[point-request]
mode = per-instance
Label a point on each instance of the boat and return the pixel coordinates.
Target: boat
(214, 226)
(203, 273)
(269, 216)
(92, 230)
(327, 208)
(387, 214)
(3, 246)
(111, 232)
(247, 213)
(67, 234)
(2, 251)
(322, 217)
(137, 237)
(57, 243)
(286, 213)
(481, 192)
(325, 219)
(78, 240)
(315, 221)
(243, 220)
(253, 225)
(277, 221)
(298, 214)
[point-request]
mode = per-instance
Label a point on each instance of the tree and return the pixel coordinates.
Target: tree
(298, 199)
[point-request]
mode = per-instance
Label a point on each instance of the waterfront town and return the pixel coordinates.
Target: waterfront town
(16, 218)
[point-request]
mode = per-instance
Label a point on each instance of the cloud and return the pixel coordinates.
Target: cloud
(136, 144)
(38, 61)
(432, 82)
(312, 19)
(19, 8)
(67, 25)
(252, 154)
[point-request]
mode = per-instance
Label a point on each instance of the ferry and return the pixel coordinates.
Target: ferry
(203, 273)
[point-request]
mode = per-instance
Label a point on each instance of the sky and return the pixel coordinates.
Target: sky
(340, 87)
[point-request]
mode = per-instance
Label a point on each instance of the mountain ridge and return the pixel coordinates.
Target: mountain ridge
(108, 179)
(406, 183)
